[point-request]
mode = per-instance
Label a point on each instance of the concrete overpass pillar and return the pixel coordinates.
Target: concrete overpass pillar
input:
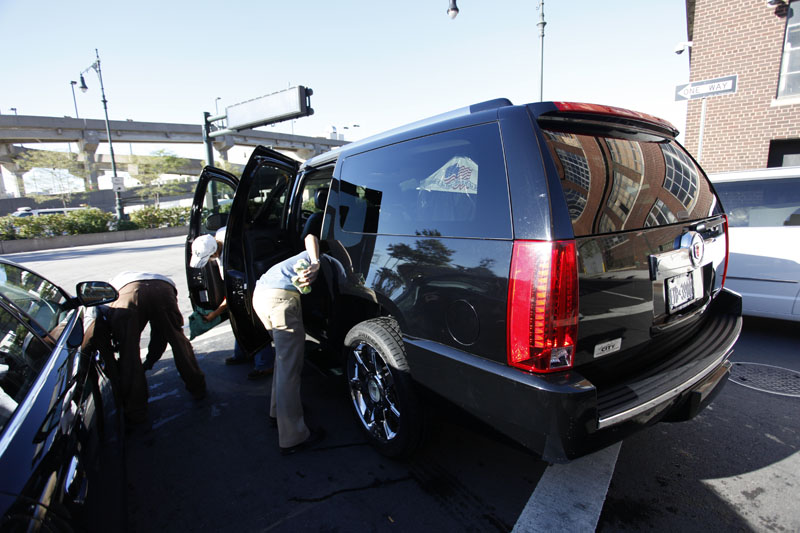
(88, 147)
(7, 154)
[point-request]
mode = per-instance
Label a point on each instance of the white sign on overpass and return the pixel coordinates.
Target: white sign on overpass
(706, 88)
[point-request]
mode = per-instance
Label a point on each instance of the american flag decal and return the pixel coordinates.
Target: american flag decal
(457, 177)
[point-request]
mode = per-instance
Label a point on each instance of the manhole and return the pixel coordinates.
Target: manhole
(766, 378)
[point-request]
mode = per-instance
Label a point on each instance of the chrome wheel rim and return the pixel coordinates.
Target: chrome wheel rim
(372, 390)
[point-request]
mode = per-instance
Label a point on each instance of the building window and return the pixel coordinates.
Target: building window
(623, 195)
(660, 215)
(681, 176)
(789, 84)
(576, 203)
(576, 168)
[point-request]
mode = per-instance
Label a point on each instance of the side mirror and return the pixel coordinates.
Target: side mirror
(92, 293)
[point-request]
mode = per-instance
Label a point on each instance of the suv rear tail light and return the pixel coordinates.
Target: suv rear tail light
(542, 306)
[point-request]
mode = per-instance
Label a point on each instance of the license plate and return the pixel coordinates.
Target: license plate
(681, 291)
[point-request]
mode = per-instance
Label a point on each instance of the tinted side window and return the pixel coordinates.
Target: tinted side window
(450, 184)
(267, 196)
(613, 184)
(216, 206)
(22, 355)
(761, 202)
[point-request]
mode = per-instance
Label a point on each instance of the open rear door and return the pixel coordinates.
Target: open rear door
(213, 201)
(256, 237)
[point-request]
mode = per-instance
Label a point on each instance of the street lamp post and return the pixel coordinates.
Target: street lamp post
(74, 101)
(541, 24)
(96, 67)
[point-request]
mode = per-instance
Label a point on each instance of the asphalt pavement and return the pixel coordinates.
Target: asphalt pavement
(214, 465)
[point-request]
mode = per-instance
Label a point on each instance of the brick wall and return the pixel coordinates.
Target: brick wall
(743, 37)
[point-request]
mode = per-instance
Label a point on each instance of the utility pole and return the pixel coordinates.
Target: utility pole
(541, 26)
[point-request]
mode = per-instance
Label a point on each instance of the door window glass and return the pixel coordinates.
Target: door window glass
(266, 198)
(22, 355)
(34, 296)
(449, 184)
(761, 203)
(216, 206)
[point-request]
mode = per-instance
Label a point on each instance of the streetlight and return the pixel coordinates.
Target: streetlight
(541, 24)
(14, 109)
(72, 85)
(452, 10)
(96, 67)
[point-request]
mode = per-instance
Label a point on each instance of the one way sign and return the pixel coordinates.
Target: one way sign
(706, 88)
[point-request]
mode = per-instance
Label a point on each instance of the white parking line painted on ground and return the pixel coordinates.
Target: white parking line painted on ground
(570, 497)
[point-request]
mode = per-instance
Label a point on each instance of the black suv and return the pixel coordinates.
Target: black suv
(555, 269)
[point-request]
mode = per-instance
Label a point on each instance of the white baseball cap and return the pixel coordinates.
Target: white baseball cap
(203, 248)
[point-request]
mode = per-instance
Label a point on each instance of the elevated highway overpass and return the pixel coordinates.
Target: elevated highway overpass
(89, 133)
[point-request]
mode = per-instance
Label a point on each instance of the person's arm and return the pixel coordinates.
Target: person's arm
(216, 312)
(308, 276)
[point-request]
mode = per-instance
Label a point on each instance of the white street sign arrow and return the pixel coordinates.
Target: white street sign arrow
(706, 88)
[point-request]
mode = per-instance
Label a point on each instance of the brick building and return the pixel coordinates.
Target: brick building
(758, 40)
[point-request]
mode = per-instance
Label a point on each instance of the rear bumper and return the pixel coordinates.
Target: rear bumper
(564, 416)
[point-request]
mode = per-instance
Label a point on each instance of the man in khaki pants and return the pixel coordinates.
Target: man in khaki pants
(276, 301)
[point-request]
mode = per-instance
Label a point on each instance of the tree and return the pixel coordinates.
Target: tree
(151, 167)
(58, 167)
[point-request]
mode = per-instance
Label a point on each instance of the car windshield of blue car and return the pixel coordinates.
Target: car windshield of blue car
(34, 296)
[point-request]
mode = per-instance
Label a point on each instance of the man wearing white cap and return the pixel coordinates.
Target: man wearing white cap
(204, 249)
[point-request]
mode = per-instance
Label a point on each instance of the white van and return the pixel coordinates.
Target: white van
(763, 208)
(28, 212)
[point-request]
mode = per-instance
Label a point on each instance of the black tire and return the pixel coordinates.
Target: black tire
(382, 392)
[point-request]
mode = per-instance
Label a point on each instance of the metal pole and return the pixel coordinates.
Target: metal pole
(702, 130)
(117, 197)
(74, 101)
(207, 138)
(541, 26)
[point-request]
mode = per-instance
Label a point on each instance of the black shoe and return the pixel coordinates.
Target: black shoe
(235, 360)
(260, 374)
(314, 438)
(198, 394)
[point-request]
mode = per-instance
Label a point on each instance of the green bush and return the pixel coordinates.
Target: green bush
(91, 220)
(153, 217)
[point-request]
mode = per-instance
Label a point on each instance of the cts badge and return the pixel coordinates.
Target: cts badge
(607, 347)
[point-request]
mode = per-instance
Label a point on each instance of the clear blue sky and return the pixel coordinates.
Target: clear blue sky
(376, 64)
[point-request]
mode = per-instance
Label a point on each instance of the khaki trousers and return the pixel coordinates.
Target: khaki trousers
(281, 313)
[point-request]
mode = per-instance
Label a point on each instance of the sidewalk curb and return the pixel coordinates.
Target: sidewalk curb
(69, 241)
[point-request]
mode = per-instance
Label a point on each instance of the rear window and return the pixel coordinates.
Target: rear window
(761, 203)
(613, 184)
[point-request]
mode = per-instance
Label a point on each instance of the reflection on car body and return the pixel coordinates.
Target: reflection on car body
(56, 405)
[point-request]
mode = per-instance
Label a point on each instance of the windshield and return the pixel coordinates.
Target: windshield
(36, 297)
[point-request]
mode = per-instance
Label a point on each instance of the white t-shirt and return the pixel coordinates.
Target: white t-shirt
(123, 278)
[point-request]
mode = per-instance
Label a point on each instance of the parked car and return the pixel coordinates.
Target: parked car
(555, 269)
(56, 408)
(28, 212)
(763, 208)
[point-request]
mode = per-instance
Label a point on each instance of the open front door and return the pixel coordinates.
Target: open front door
(213, 201)
(256, 237)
